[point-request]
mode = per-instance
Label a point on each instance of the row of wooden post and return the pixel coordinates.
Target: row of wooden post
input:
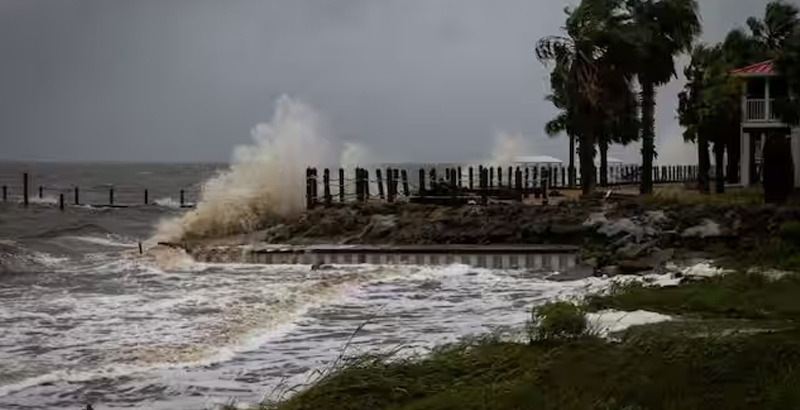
(515, 179)
(76, 194)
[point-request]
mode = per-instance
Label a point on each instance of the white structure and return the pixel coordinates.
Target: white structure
(762, 84)
(537, 160)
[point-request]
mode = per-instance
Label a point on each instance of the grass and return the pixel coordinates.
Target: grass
(649, 371)
(727, 363)
(736, 295)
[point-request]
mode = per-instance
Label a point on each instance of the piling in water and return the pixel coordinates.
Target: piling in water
(182, 198)
(41, 192)
(406, 190)
(61, 201)
(111, 195)
(5, 193)
(146, 197)
(25, 189)
(326, 181)
(77, 196)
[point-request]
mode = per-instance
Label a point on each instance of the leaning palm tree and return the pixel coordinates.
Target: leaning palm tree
(659, 30)
(564, 122)
(585, 58)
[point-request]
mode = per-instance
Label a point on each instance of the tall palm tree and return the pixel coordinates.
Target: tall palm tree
(659, 31)
(585, 59)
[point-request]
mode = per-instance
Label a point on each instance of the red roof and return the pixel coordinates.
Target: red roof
(762, 68)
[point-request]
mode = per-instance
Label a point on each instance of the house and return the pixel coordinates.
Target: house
(762, 85)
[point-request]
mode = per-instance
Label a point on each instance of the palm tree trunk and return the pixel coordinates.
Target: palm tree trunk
(719, 167)
(571, 169)
(603, 161)
(586, 150)
(703, 165)
(648, 135)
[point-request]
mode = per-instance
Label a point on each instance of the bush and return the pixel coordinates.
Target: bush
(790, 232)
(558, 321)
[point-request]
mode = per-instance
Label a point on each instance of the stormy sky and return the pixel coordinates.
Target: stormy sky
(186, 80)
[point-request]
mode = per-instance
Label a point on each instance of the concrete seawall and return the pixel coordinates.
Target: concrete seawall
(534, 257)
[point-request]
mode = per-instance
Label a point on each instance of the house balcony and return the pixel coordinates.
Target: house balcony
(760, 110)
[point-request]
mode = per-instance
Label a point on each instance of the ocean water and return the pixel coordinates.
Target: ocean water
(86, 319)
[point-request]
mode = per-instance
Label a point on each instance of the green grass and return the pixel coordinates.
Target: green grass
(648, 371)
(736, 295)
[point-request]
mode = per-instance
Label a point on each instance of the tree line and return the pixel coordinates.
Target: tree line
(612, 56)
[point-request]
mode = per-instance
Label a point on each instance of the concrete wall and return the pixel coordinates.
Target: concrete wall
(532, 261)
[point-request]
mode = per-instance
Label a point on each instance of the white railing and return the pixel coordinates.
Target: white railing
(759, 110)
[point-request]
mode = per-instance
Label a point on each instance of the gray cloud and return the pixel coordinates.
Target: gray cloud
(414, 80)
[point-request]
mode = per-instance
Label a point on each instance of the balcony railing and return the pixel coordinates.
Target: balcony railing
(759, 110)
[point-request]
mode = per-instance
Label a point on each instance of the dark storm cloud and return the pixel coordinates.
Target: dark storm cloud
(414, 80)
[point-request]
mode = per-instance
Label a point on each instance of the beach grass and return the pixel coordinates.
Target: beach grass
(659, 369)
(735, 344)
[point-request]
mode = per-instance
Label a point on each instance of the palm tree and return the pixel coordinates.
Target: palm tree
(659, 30)
(564, 121)
(585, 61)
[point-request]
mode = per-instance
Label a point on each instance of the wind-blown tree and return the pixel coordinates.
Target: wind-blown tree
(565, 121)
(659, 30)
(587, 61)
(781, 29)
(709, 109)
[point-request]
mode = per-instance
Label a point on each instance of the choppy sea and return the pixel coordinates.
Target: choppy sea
(85, 319)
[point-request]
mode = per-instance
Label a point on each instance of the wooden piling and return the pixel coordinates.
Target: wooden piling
(453, 185)
(527, 178)
(491, 177)
(379, 177)
(366, 184)
(76, 196)
(61, 201)
(314, 187)
(326, 180)
(390, 185)
(309, 201)
(460, 182)
(499, 177)
(5, 193)
(545, 182)
(484, 182)
(396, 181)
(470, 172)
(41, 192)
(111, 195)
(341, 185)
(422, 186)
(146, 197)
(518, 182)
(406, 190)
(25, 189)
(183, 199)
(359, 186)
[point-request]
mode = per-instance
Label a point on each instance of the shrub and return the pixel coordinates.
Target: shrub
(558, 321)
(790, 232)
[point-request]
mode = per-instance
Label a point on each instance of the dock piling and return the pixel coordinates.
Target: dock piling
(326, 181)
(379, 177)
(25, 189)
(422, 183)
(61, 201)
(146, 197)
(41, 192)
(406, 190)
(111, 195)
(76, 196)
(5, 193)
(341, 185)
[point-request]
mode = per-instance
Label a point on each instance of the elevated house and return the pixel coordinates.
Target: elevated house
(762, 86)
